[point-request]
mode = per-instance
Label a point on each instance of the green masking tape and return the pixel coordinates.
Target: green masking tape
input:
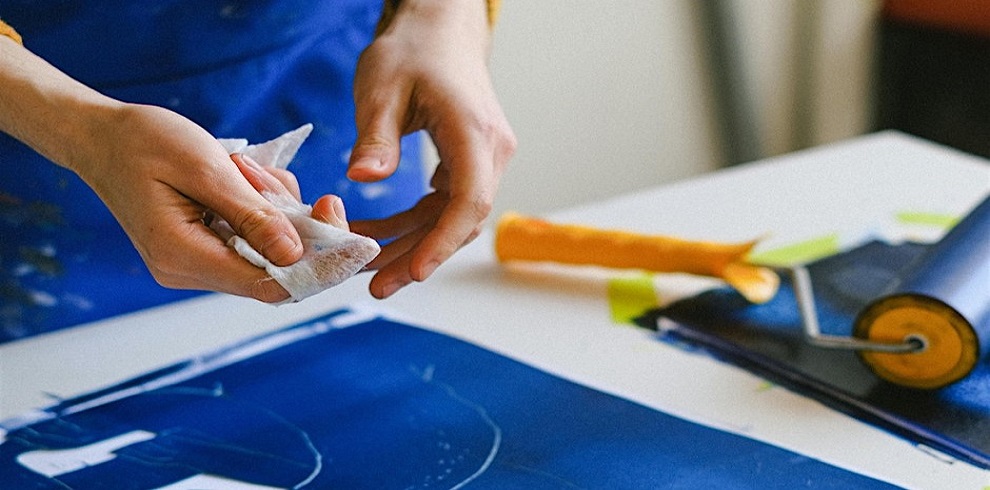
(631, 296)
(928, 219)
(799, 253)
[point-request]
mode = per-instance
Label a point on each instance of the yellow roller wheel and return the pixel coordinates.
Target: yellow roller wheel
(951, 347)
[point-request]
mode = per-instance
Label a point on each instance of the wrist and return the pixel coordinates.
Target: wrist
(47, 110)
(486, 10)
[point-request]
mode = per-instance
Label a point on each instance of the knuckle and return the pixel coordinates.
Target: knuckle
(481, 206)
(284, 176)
(508, 144)
(473, 235)
(374, 144)
(374, 140)
(254, 220)
(499, 135)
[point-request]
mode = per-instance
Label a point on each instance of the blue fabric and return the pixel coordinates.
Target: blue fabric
(251, 69)
(383, 404)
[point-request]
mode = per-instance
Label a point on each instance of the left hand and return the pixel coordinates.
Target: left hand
(428, 70)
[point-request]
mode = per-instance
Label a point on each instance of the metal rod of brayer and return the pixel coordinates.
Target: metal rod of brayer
(812, 331)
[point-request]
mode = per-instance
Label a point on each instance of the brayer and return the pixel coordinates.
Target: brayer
(931, 326)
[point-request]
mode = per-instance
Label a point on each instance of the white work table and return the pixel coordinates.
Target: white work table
(557, 318)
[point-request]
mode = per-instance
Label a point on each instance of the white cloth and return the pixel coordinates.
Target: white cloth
(330, 255)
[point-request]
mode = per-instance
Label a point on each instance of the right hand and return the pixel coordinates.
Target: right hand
(159, 173)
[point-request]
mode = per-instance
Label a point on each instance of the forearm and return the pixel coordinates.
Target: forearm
(45, 108)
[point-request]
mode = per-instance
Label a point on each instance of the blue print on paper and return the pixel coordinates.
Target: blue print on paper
(381, 405)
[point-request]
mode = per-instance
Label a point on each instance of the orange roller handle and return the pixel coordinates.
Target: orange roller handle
(525, 238)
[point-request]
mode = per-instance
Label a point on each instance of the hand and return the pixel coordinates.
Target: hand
(328, 209)
(159, 173)
(427, 70)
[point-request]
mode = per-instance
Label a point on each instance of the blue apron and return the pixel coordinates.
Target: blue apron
(239, 68)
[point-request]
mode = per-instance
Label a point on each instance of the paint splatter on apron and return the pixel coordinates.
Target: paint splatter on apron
(239, 68)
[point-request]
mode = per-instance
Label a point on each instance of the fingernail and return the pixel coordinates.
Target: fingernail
(429, 269)
(390, 289)
(247, 161)
(366, 164)
(338, 209)
(250, 161)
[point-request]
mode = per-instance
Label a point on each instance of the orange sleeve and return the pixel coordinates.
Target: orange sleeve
(972, 16)
(6, 30)
(493, 8)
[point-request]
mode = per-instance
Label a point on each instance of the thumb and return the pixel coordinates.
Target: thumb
(376, 152)
(258, 221)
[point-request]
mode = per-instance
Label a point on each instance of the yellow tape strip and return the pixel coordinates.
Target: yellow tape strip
(927, 219)
(629, 297)
(799, 253)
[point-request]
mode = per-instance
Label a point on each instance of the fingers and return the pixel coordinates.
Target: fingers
(401, 262)
(288, 181)
(267, 179)
(330, 209)
(389, 279)
(475, 152)
(220, 269)
(423, 214)
(373, 158)
(185, 254)
(458, 224)
(379, 119)
(225, 271)
(253, 217)
(423, 239)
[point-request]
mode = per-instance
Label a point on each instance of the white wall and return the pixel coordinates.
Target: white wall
(840, 43)
(604, 97)
(609, 97)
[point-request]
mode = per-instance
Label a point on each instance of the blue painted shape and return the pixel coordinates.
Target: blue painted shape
(386, 405)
